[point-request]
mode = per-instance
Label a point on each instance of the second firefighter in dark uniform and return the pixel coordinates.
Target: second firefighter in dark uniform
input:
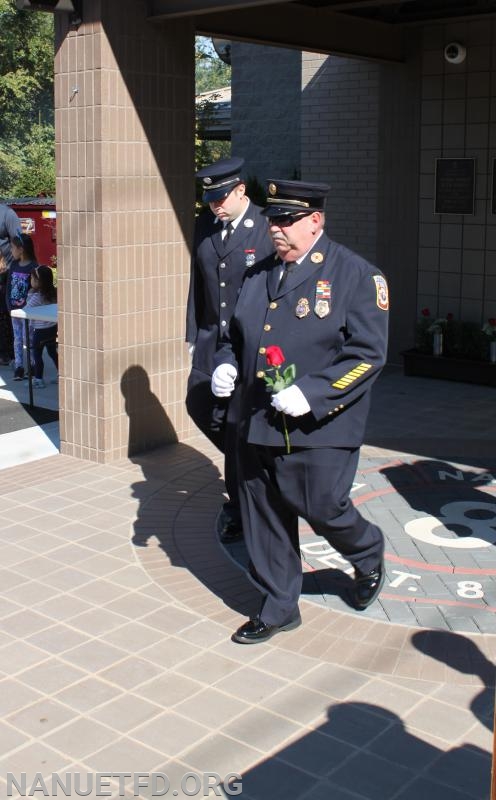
(229, 238)
(318, 314)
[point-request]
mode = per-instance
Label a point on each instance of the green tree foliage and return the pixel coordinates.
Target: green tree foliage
(37, 174)
(210, 73)
(27, 138)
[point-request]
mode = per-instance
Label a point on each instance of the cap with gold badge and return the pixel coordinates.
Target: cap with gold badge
(287, 197)
(219, 179)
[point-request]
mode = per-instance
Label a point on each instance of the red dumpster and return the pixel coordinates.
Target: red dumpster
(38, 218)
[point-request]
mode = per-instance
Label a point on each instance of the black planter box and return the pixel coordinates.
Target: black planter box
(425, 365)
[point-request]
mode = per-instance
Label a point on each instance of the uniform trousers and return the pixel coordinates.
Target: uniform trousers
(276, 489)
(209, 413)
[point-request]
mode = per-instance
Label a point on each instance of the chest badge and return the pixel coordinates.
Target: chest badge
(322, 308)
(317, 258)
(302, 308)
(249, 258)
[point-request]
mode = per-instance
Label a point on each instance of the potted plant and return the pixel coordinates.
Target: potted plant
(490, 330)
(452, 350)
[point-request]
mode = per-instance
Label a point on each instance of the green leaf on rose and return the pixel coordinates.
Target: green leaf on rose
(289, 374)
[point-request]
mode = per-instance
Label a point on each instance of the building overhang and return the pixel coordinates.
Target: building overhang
(281, 23)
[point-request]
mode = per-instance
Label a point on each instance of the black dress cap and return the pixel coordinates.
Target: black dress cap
(288, 197)
(220, 178)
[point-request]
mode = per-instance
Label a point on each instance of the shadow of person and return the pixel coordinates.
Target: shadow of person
(454, 499)
(461, 653)
(364, 751)
(179, 498)
(149, 425)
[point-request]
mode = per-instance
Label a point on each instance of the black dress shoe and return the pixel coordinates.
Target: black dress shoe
(368, 586)
(255, 630)
(229, 529)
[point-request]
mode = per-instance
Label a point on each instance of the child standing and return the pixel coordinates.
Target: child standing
(43, 334)
(18, 283)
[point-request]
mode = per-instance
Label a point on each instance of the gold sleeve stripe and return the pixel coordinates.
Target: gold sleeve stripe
(351, 376)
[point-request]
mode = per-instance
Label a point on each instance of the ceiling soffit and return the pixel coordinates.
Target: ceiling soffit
(304, 28)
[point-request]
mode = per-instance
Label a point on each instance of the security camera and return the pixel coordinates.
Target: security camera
(455, 53)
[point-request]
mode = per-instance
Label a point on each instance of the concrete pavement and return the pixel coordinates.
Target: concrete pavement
(118, 604)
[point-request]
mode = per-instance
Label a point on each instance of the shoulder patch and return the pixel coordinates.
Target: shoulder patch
(381, 288)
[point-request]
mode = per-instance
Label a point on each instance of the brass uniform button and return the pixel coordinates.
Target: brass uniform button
(260, 373)
(267, 327)
(273, 305)
(262, 351)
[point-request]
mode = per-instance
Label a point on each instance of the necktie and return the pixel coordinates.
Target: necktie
(228, 231)
(288, 268)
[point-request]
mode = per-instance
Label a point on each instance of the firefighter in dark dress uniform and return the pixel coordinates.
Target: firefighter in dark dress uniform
(229, 238)
(307, 340)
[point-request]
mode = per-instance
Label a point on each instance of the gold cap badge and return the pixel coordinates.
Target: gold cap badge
(272, 188)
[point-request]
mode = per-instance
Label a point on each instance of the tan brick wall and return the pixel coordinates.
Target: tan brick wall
(125, 194)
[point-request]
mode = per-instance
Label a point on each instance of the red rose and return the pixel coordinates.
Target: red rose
(425, 312)
(492, 321)
(274, 356)
(449, 317)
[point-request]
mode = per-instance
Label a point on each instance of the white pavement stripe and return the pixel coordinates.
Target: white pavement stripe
(30, 444)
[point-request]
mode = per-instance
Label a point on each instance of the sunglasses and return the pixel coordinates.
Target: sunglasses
(285, 220)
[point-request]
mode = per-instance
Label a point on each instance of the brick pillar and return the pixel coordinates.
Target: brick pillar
(124, 100)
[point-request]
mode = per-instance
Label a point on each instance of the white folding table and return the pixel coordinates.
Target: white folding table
(48, 313)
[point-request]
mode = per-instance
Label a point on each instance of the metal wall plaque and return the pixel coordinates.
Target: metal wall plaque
(455, 186)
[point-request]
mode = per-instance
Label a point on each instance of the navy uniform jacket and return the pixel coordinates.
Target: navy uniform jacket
(217, 271)
(330, 319)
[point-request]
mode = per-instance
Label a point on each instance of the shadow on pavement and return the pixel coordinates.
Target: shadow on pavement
(179, 498)
(365, 750)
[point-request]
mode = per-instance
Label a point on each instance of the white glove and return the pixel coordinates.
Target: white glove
(223, 380)
(191, 348)
(291, 401)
